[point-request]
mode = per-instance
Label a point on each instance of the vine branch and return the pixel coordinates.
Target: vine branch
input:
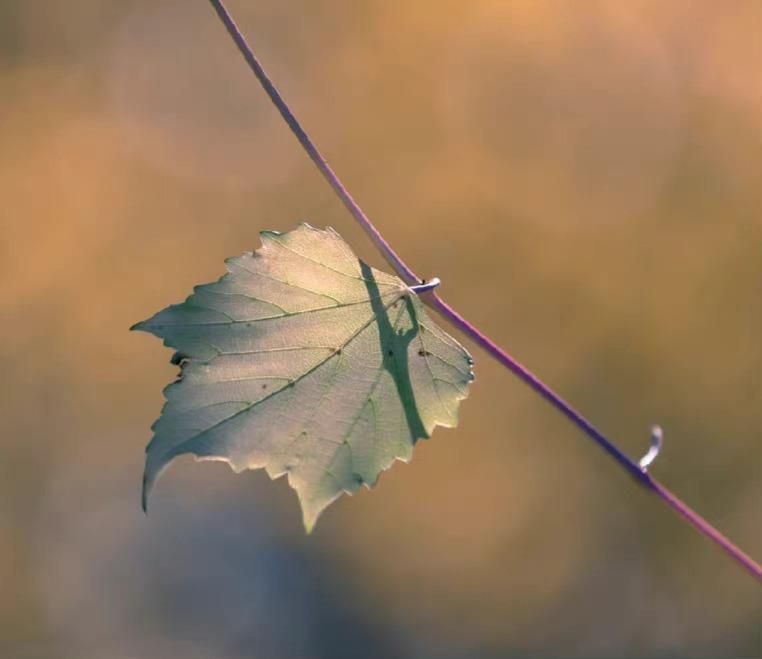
(433, 300)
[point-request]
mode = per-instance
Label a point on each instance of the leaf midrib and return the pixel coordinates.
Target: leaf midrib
(178, 450)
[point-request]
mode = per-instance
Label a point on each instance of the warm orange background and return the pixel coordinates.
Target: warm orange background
(585, 178)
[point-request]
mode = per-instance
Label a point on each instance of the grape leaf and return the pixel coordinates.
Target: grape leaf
(304, 360)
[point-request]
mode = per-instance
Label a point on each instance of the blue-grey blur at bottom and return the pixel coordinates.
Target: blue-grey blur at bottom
(217, 570)
(200, 577)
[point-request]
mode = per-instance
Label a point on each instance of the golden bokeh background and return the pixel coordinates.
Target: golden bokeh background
(584, 177)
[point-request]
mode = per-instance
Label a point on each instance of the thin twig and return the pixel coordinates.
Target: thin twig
(312, 151)
(433, 300)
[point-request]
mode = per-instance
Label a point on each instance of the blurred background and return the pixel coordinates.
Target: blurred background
(584, 177)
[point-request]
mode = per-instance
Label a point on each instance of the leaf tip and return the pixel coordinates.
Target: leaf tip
(150, 474)
(310, 517)
(268, 234)
(144, 496)
(311, 509)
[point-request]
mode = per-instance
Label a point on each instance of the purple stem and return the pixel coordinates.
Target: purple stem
(641, 475)
(433, 300)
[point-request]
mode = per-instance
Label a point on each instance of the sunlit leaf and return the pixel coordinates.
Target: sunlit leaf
(305, 361)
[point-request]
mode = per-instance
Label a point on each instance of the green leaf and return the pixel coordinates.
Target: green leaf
(305, 361)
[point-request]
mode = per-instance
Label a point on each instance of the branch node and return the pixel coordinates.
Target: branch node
(424, 286)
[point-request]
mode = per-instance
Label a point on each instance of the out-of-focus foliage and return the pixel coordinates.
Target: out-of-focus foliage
(307, 362)
(584, 178)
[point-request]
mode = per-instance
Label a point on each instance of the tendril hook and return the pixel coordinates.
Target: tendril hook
(657, 440)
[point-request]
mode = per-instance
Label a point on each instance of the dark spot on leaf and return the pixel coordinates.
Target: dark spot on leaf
(264, 386)
(390, 353)
(424, 353)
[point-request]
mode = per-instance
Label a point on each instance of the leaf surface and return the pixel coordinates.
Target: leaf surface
(304, 361)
